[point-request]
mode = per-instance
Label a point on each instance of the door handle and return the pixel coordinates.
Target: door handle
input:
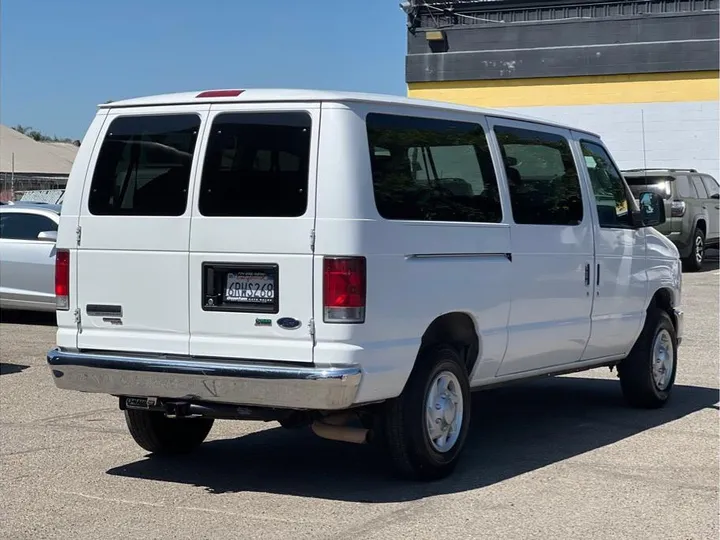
(101, 310)
(587, 274)
(597, 275)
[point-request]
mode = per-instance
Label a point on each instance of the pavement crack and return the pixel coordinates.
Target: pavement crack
(667, 481)
(30, 451)
(74, 416)
(387, 519)
(61, 427)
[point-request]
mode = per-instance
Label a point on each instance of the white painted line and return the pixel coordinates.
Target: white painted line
(189, 508)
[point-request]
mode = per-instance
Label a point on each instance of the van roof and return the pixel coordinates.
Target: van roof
(283, 95)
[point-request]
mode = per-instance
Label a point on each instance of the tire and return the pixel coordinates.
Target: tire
(694, 261)
(158, 434)
(646, 381)
(405, 428)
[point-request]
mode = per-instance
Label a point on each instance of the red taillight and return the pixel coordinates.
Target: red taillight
(344, 294)
(62, 279)
(219, 93)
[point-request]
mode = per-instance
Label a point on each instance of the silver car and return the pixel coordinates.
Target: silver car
(28, 232)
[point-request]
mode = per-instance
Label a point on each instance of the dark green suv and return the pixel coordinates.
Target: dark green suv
(692, 207)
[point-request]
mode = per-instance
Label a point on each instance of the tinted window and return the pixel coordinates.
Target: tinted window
(662, 185)
(543, 180)
(684, 189)
(19, 226)
(426, 169)
(143, 168)
(608, 186)
(257, 165)
(699, 187)
(711, 185)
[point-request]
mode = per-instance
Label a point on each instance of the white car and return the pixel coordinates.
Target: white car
(27, 256)
(352, 262)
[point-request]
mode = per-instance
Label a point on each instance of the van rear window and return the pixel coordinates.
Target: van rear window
(257, 165)
(143, 168)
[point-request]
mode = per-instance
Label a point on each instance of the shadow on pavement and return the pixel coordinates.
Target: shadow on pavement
(33, 318)
(515, 430)
(8, 369)
(711, 262)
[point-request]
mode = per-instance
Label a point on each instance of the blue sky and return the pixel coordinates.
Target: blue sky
(59, 59)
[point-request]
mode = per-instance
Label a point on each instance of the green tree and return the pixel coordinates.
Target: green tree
(39, 136)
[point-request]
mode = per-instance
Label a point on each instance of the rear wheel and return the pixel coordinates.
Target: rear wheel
(158, 434)
(647, 375)
(426, 426)
(694, 261)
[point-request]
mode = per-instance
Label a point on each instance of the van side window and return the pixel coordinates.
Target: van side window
(426, 169)
(257, 165)
(609, 187)
(143, 168)
(542, 178)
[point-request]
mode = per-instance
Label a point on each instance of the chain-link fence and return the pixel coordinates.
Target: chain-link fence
(13, 186)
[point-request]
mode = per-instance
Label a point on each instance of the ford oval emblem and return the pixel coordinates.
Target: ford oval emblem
(288, 323)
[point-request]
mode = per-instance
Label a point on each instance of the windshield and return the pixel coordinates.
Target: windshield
(657, 184)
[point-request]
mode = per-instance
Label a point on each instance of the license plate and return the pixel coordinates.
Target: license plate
(249, 288)
(141, 403)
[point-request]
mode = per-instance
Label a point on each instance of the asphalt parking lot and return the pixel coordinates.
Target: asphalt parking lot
(558, 458)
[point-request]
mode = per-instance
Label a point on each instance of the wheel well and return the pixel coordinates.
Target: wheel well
(702, 226)
(663, 299)
(455, 329)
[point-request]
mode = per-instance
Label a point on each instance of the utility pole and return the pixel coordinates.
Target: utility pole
(12, 178)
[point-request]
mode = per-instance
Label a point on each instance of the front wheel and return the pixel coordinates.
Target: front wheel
(158, 434)
(426, 426)
(647, 375)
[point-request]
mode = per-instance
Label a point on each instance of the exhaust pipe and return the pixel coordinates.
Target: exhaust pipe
(332, 429)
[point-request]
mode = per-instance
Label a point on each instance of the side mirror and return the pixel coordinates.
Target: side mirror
(715, 196)
(48, 236)
(652, 209)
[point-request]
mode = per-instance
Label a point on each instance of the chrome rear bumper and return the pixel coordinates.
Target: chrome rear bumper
(241, 382)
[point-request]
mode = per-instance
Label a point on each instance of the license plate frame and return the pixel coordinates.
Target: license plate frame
(215, 279)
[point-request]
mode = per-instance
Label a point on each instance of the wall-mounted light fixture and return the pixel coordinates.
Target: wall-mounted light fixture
(435, 35)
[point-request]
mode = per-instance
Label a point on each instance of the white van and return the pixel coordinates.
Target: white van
(350, 262)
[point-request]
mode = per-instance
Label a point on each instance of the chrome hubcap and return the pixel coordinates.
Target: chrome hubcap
(663, 359)
(444, 411)
(699, 247)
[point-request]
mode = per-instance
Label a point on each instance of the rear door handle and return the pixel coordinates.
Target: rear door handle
(597, 276)
(587, 274)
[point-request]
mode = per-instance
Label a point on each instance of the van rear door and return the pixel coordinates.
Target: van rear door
(132, 260)
(251, 259)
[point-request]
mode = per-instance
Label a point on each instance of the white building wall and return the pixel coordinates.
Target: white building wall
(677, 135)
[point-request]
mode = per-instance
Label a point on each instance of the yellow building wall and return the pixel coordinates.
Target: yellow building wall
(588, 90)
